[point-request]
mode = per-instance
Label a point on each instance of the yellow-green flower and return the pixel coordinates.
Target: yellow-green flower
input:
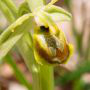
(50, 49)
(50, 44)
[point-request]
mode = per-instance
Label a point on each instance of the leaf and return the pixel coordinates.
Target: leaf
(59, 17)
(13, 33)
(23, 9)
(57, 14)
(6, 11)
(19, 75)
(11, 6)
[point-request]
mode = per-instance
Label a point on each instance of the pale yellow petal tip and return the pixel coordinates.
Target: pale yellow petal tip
(71, 50)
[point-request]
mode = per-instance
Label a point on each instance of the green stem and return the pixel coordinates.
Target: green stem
(42, 75)
(43, 78)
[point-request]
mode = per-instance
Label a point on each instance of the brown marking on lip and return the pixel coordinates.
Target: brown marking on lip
(63, 55)
(60, 55)
(44, 54)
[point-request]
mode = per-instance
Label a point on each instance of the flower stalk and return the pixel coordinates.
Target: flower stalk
(43, 78)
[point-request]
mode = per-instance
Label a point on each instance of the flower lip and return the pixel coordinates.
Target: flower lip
(49, 48)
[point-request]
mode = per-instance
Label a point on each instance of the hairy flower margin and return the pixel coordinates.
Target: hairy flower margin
(50, 44)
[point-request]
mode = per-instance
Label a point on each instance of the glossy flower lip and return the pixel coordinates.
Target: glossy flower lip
(49, 49)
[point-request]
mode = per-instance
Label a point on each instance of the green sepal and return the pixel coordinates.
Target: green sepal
(23, 9)
(55, 9)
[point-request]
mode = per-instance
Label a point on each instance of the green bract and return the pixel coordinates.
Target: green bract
(13, 33)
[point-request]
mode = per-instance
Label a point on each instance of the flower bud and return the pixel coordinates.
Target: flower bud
(49, 48)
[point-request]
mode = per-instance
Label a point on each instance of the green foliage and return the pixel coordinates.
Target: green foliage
(13, 33)
(18, 73)
(75, 77)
